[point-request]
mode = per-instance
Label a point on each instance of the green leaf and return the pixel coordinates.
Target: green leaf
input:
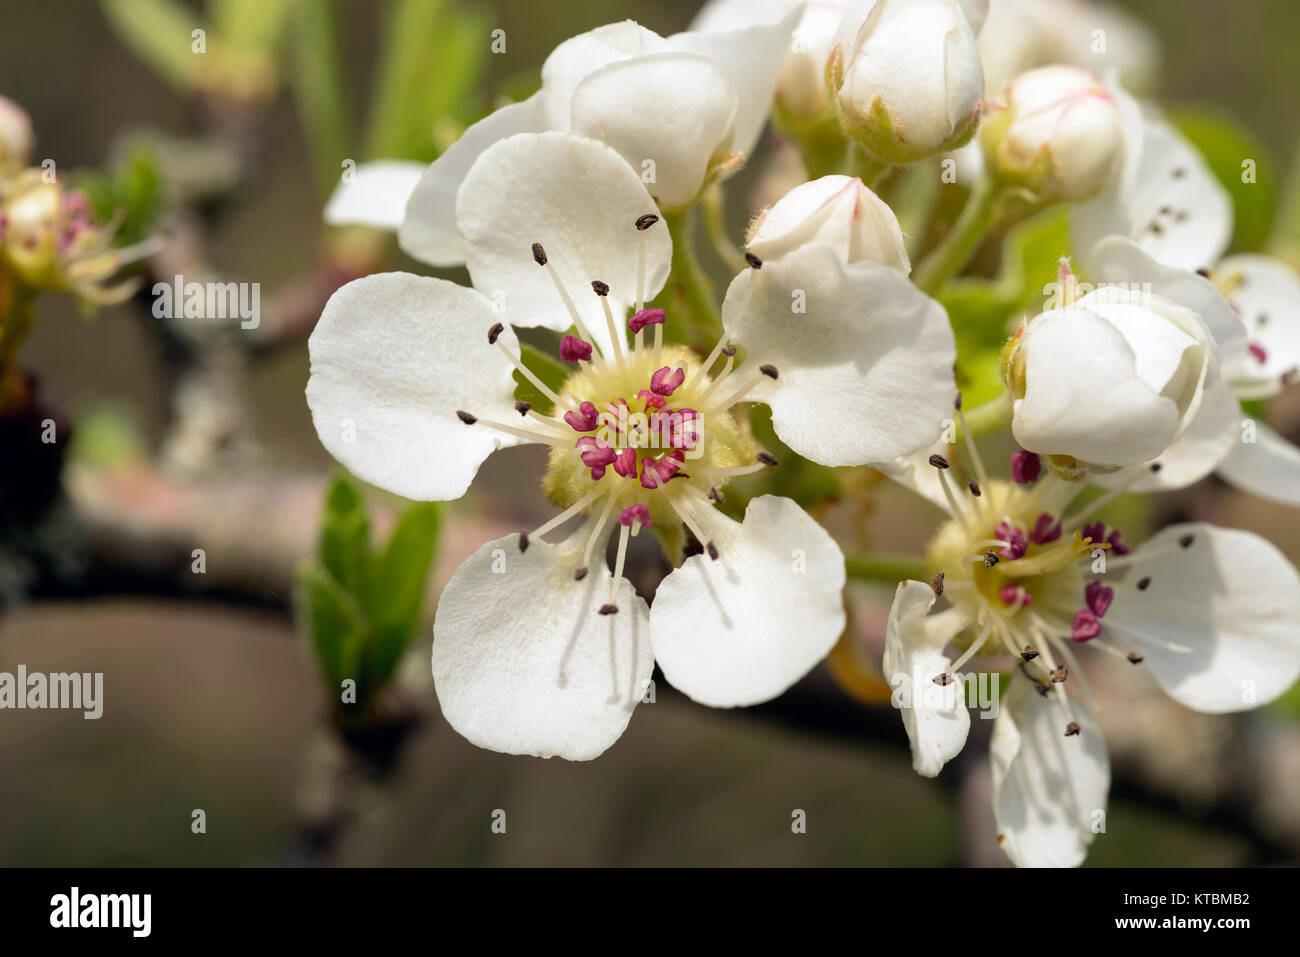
(320, 89)
(401, 125)
(1226, 146)
(333, 623)
(130, 192)
(253, 26)
(394, 597)
(158, 32)
(345, 534)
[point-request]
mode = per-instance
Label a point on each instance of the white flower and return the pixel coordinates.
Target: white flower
(838, 211)
(15, 136)
(538, 648)
(1109, 380)
(680, 110)
(1212, 614)
(907, 76)
(1056, 132)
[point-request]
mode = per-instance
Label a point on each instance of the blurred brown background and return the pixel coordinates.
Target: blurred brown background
(216, 706)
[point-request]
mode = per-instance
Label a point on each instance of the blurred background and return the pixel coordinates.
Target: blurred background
(185, 440)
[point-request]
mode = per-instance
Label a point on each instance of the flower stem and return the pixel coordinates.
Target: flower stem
(870, 171)
(951, 255)
(715, 226)
(687, 280)
(885, 568)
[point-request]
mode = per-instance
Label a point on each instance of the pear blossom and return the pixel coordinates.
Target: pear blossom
(1055, 132)
(1212, 614)
(681, 110)
(907, 76)
(1110, 379)
(539, 648)
(838, 211)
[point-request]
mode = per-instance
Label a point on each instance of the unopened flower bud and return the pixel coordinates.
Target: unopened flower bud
(15, 136)
(1056, 133)
(838, 211)
(907, 79)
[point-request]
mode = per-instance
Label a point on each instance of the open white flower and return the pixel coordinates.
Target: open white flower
(838, 211)
(1108, 380)
(1213, 614)
(907, 76)
(538, 648)
(680, 110)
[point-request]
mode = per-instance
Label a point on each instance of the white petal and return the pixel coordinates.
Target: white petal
(1267, 294)
(915, 472)
(524, 663)
(581, 201)
(672, 110)
(865, 373)
(1218, 621)
(375, 196)
(1268, 467)
(578, 57)
(742, 629)
(1049, 791)
(935, 717)
(1107, 213)
(394, 357)
(429, 231)
(1204, 445)
(1119, 260)
(751, 58)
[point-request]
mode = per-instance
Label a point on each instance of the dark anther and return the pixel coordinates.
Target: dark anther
(1156, 467)
(1134, 658)
(1060, 674)
(942, 680)
(1030, 653)
(754, 261)
(716, 495)
(728, 351)
(957, 402)
(600, 288)
(609, 609)
(1203, 273)
(645, 222)
(466, 417)
(1143, 584)
(974, 487)
(769, 371)
(939, 462)
(495, 331)
(990, 558)
(937, 584)
(1179, 172)
(539, 254)
(1186, 541)
(712, 550)
(523, 541)
(580, 574)
(768, 459)
(692, 548)
(1072, 729)
(523, 408)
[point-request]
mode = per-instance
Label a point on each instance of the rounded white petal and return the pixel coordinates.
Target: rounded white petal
(394, 357)
(1218, 621)
(524, 663)
(1266, 291)
(668, 114)
(915, 472)
(751, 58)
(838, 211)
(718, 16)
(429, 231)
(578, 57)
(1119, 261)
(935, 716)
(865, 369)
(581, 201)
(1268, 467)
(1049, 790)
(1203, 447)
(374, 195)
(742, 629)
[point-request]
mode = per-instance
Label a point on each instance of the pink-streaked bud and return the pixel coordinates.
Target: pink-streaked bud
(665, 381)
(1046, 529)
(1025, 467)
(625, 463)
(680, 428)
(646, 317)
(1015, 546)
(1086, 626)
(573, 349)
(656, 472)
(635, 513)
(585, 419)
(595, 453)
(1014, 595)
(1117, 547)
(651, 401)
(1098, 597)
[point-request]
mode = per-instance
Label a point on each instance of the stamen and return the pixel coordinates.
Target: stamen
(712, 386)
(619, 345)
(970, 652)
(1025, 467)
(970, 446)
(567, 514)
(959, 513)
(540, 255)
(623, 533)
(752, 383)
(523, 408)
(599, 525)
(527, 373)
(753, 261)
(466, 417)
(768, 459)
(541, 438)
(573, 349)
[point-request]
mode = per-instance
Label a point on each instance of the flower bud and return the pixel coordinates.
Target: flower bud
(838, 211)
(1056, 133)
(15, 136)
(907, 79)
(1109, 380)
(30, 210)
(801, 87)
